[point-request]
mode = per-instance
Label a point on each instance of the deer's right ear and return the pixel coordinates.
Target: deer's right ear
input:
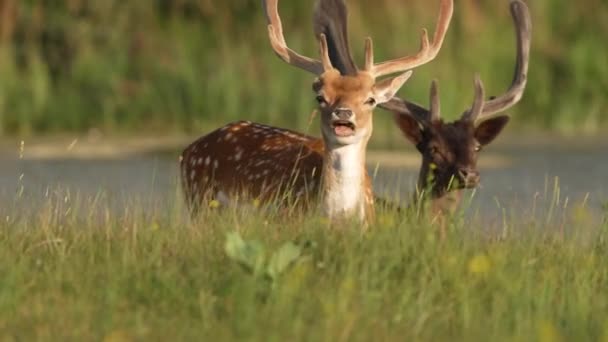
(410, 127)
(488, 130)
(386, 89)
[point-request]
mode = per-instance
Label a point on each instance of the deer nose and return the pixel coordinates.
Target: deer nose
(342, 114)
(469, 176)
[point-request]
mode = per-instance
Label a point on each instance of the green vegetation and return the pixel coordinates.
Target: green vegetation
(75, 269)
(188, 66)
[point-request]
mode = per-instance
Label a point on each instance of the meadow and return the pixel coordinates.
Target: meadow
(85, 267)
(78, 269)
(187, 66)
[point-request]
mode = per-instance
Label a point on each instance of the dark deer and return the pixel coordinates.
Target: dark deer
(265, 162)
(450, 150)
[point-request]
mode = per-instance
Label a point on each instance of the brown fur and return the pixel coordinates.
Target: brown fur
(252, 161)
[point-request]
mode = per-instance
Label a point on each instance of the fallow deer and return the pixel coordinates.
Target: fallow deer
(450, 150)
(264, 162)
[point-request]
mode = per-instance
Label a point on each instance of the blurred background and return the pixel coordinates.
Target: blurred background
(99, 72)
(188, 66)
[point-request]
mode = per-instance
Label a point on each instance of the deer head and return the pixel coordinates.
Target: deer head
(450, 150)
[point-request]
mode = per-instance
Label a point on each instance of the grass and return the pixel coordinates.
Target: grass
(189, 66)
(81, 269)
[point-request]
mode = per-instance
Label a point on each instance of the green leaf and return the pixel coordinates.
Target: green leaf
(249, 254)
(283, 258)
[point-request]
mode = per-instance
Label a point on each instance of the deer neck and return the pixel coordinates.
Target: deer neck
(347, 191)
(441, 201)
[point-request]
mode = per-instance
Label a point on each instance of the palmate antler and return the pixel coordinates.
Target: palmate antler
(427, 52)
(483, 110)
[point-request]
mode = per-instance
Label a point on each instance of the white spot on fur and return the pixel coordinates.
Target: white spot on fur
(223, 198)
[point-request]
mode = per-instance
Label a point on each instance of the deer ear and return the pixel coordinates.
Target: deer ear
(409, 127)
(386, 89)
(488, 130)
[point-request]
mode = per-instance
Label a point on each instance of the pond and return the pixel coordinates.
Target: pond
(519, 179)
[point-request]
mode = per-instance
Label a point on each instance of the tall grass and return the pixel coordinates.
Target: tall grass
(78, 269)
(187, 66)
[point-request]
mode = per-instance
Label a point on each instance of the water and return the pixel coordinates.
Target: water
(526, 183)
(533, 179)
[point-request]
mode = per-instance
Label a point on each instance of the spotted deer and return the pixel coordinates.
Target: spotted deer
(266, 162)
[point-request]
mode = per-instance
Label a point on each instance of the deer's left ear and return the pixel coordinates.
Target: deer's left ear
(488, 130)
(409, 127)
(386, 89)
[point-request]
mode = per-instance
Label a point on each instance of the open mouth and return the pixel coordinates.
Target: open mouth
(343, 128)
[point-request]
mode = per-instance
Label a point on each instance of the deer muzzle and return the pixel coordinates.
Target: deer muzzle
(469, 178)
(342, 122)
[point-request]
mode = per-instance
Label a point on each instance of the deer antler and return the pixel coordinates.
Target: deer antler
(435, 112)
(428, 51)
(478, 102)
(331, 18)
(523, 27)
(279, 45)
(523, 31)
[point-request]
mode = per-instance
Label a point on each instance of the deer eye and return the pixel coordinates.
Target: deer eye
(433, 150)
(371, 101)
(321, 100)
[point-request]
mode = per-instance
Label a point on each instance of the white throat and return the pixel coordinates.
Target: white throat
(344, 181)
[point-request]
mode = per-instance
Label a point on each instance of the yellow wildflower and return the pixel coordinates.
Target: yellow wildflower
(480, 264)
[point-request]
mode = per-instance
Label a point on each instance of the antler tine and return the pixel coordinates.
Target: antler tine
(277, 40)
(478, 102)
(427, 51)
(369, 55)
(324, 51)
(435, 110)
(331, 18)
(523, 28)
